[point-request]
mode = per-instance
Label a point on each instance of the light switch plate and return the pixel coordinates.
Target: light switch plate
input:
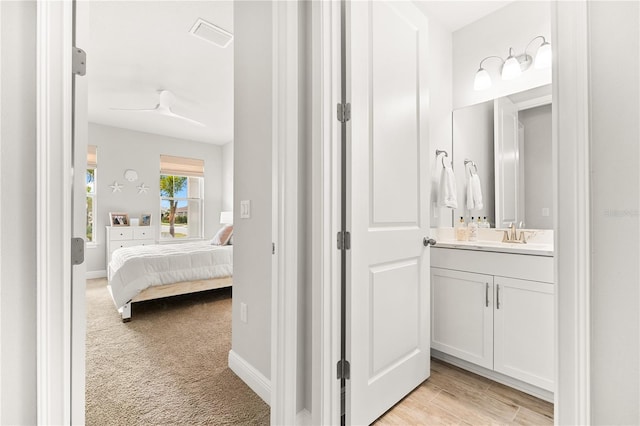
(245, 209)
(545, 211)
(243, 312)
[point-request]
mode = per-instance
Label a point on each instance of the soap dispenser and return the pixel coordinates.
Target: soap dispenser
(473, 230)
(461, 230)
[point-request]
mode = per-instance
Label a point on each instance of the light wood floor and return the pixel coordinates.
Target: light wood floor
(455, 396)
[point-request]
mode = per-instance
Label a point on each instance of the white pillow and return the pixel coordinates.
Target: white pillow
(222, 236)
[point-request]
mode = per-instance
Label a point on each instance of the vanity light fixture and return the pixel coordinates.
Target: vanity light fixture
(515, 64)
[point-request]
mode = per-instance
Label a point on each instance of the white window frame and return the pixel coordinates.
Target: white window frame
(187, 200)
(94, 196)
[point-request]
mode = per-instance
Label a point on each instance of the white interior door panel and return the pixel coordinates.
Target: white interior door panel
(387, 206)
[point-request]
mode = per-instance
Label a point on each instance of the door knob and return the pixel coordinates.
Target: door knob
(428, 242)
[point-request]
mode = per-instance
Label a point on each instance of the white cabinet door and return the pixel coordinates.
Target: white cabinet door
(524, 334)
(388, 206)
(462, 315)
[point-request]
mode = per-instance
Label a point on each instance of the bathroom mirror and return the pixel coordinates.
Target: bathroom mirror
(509, 141)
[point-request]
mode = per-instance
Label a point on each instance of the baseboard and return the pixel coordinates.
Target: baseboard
(495, 376)
(252, 377)
(303, 418)
(96, 274)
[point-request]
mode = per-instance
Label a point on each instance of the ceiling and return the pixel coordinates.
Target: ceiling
(455, 14)
(138, 48)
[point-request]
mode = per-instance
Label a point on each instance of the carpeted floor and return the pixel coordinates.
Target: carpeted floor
(168, 366)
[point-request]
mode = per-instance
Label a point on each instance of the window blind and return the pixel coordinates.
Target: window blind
(92, 157)
(181, 166)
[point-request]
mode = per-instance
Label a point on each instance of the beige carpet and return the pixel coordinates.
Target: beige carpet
(168, 366)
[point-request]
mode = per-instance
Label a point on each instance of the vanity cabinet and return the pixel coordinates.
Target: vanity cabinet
(523, 332)
(462, 315)
(501, 323)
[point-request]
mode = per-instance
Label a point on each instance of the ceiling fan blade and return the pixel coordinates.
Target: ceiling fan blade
(136, 109)
(170, 113)
(167, 99)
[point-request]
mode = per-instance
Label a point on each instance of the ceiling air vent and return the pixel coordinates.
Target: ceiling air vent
(209, 32)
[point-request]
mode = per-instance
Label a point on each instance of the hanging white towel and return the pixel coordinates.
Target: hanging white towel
(474, 192)
(447, 195)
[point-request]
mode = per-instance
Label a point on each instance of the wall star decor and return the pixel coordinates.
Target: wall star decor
(116, 187)
(142, 189)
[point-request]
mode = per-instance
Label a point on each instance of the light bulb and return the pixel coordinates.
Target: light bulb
(511, 68)
(482, 80)
(543, 56)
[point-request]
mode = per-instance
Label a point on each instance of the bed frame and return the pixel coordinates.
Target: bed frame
(174, 289)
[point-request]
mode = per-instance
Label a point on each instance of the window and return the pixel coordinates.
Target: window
(92, 166)
(181, 197)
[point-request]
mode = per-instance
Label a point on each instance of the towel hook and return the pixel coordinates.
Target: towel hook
(440, 151)
(467, 161)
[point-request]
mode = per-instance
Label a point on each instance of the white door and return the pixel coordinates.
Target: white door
(388, 197)
(524, 331)
(507, 160)
(462, 315)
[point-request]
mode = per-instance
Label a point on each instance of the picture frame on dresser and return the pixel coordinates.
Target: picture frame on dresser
(145, 219)
(118, 219)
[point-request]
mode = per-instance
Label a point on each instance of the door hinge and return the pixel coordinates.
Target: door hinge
(344, 240)
(344, 369)
(77, 251)
(344, 112)
(273, 248)
(79, 62)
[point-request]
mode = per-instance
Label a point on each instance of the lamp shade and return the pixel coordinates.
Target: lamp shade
(543, 56)
(511, 68)
(226, 218)
(482, 80)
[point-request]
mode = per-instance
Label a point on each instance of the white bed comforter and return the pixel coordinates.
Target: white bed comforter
(133, 269)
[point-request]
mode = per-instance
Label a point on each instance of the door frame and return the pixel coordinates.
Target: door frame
(571, 148)
(325, 216)
(56, 404)
(569, 26)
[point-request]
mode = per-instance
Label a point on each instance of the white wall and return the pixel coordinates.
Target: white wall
(538, 167)
(252, 181)
(615, 205)
(122, 149)
(439, 77)
(512, 26)
(18, 192)
(227, 177)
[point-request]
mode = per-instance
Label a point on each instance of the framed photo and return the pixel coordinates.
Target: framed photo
(145, 219)
(119, 219)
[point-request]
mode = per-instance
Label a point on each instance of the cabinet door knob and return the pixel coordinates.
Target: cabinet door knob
(426, 241)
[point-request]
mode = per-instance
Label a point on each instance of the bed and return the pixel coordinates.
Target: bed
(154, 271)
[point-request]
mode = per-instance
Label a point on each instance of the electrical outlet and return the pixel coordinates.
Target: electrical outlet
(243, 312)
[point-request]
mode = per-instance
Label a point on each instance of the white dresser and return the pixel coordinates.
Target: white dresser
(128, 236)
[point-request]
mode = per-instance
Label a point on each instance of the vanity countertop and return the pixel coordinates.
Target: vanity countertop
(535, 249)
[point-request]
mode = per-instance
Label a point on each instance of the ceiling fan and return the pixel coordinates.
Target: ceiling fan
(163, 107)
